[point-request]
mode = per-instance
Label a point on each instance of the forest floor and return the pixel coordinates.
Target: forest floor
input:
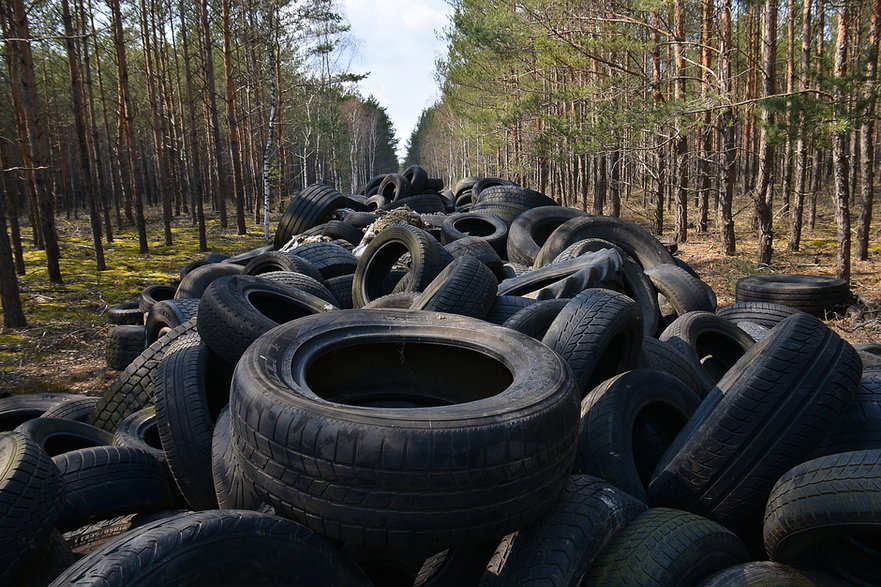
(62, 349)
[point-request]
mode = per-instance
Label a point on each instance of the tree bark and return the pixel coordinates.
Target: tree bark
(232, 121)
(681, 143)
(219, 175)
(801, 152)
(83, 137)
(840, 166)
(761, 197)
(726, 124)
(867, 135)
(34, 142)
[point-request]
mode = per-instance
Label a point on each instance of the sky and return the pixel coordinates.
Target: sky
(398, 44)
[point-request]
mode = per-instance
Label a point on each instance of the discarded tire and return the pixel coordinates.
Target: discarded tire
(809, 293)
(484, 480)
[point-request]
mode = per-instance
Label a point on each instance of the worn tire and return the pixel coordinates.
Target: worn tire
(309, 208)
(809, 293)
(767, 574)
(141, 431)
(667, 547)
(106, 481)
(427, 259)
(683, 291)
(232, 490)
(123, 344)
(125, 313)
(599, 333)
(236, 310)
(486, 446)
(191, 387)
(194, 283)
(280, 261)
(18, 409)
(329, 259)
(614, 412)
(474, 246)
(633, 239)
(766, 415)
(77, 408)
(167, 315)
(57, 436)
(133, 389)
(764, 314)
(155, 293)
(665, 357)
(466, 287)
(560, 548)
(712, 344)
(308, 284)
(535, 319)
(484, 226)
(30, 496)
(828, 505)
(859, 427)
(533, 227)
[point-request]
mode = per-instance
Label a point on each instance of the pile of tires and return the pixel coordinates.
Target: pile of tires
(474, 386)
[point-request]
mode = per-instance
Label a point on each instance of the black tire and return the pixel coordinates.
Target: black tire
(825, 505)
(232, 490)
(870, 353)
(766, 415)
(30, 496)
(141, 431)
(155, 293)
(532, 228)
(561, 547)
(231, 547)
(552, 281)
(329, 259)
(484, 226)
(683, 291)
(712, 344)
(767, 574)
(599, 333)
(341, 288)
(77, 408)
(106, 481)
(420, 203)
(859, 427)
(361, 220)
(666, 547)
(280, 261)
(506, 306)
(613, 414)
(394, 186)
(51, 559)
(246, 257)
(123, 345)
(394, 301)
(633, 239)
(339, 229)
(427, 259)
(483, 183)
(194, 283)
(417, 177)
(18, 409)
(535, 319)
(192, 386)
(510, 269)
(762, 313)
(236, 310)
(309, 208)
(511, 195)
(484, 479)
(133, 389)
(464, 187)
(167, 315)
(304, 282)
(466, 287)
(474, 246)
(372, 185)
(125, 313)
(809, 293)
(507, 213)
(57, 436)
(578, 248)
(665, 357)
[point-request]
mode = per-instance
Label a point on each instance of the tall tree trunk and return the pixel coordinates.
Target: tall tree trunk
(193, 148)
(786, 187)
(232, 121)
(706, 131)
(658, 98)
(13, 315)
(681, 143)
(83, 137)
(726, 125)
(839, 150)
(761, 197)
(34, 146)
(867, 135)
(801, 152)
(219, 176)
(10, 208)
(127, 128)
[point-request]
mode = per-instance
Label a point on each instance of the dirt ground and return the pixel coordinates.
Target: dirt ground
(70, 356)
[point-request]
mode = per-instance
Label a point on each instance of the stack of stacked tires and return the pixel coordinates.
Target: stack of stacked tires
(494, 390)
